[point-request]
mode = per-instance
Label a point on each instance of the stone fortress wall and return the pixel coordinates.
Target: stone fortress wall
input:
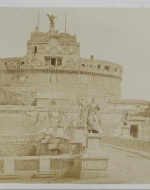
(73, 83)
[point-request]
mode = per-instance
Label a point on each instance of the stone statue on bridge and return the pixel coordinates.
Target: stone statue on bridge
(61, 116)
(125, 118)
(82, 112)
(92, 119)
(50, 117)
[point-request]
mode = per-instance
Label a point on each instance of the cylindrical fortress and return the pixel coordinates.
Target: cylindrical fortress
(61, 85)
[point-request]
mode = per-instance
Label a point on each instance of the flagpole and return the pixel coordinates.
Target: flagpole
(65, 21)
(38, 21)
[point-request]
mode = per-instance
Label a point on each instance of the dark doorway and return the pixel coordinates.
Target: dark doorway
(134, 131)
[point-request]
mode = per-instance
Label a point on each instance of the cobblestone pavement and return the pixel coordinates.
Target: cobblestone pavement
(133, 168)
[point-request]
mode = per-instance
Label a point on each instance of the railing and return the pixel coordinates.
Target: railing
(134, 144)
(62, 166)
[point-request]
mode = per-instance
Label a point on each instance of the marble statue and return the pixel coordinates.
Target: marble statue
(125, 118)
(50, 117)
(82, 112)
(92, 120)
(61, 116)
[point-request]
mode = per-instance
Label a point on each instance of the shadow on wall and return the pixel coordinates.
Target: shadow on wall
(32, 151)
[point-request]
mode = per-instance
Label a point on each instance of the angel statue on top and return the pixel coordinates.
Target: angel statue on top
(51, 19)
(93, 125)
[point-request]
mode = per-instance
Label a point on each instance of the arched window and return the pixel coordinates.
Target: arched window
(107, 68)
(116, 69)
(99, 66)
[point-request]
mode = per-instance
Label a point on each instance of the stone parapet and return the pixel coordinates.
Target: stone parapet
(60, 70)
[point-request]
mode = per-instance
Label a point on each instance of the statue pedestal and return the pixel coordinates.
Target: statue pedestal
(60, 131)
(75, 147)
(44, 169)
(8, 172)
(50, 129)
(94, 163)
(125, 131)
(80, 134)
(78, 140)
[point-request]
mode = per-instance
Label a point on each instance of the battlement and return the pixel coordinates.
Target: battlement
(82, 66)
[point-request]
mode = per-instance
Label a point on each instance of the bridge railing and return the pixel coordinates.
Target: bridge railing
(134, 144)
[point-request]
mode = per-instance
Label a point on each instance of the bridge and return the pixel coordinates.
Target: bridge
(129, 159)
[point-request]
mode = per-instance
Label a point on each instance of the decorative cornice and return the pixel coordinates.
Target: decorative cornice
(59, 71)
(23, 110)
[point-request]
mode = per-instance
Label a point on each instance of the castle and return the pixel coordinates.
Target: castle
(53, 76)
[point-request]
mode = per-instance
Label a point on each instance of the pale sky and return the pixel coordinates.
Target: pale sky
(117, 35)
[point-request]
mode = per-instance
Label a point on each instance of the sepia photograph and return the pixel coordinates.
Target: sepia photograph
(74, 95)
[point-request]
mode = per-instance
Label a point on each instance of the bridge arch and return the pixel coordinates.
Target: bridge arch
(32, 150)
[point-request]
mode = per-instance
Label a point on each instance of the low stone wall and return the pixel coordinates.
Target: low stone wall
(134, 144)
(61, 166)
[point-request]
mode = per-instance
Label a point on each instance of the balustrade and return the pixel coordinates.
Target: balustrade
(136, 144)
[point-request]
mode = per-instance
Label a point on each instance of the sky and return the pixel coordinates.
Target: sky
(120, 35)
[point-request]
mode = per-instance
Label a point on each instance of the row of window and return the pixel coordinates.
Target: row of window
(106, 68)
(58, 62)
(53, 61)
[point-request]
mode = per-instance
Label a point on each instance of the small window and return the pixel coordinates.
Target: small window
(53, 61)
(116, 69)
(82, 65)
(22, 63)
(35, 49)
(107, 68)
(59, 61)
(99, 66)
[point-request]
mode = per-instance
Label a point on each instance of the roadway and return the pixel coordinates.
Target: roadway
(127, 167)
